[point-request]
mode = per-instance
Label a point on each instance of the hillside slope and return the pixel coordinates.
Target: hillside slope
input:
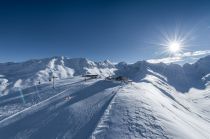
(25, 74)
(104, 109)
(163, 101)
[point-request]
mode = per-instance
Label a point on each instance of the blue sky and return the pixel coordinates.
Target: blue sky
(118, 30)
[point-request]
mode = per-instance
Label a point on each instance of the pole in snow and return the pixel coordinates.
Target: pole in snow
(53, 78)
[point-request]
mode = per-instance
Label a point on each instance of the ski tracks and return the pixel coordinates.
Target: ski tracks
(74, 118)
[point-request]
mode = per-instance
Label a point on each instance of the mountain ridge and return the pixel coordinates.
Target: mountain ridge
(24, 74)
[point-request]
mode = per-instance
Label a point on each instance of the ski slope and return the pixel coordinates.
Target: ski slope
(157, 104)
(139, 112)
(56, 117)
(104, 109)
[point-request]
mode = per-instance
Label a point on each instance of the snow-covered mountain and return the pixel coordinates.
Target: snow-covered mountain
(181, 77)
(25, 74)
(166, 101)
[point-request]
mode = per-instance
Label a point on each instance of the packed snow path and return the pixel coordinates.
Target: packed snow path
(99, 109)
(75, 117)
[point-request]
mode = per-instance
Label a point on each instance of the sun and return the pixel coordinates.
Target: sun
(174, 46)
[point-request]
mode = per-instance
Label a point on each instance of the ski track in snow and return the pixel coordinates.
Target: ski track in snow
(99, 109)
(164, 101)
(59, 118)
(12, 104)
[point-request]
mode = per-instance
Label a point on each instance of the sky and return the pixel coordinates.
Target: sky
(118, 30)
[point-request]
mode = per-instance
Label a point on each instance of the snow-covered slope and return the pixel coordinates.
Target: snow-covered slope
(164, 101)
(142, 110)
(25, 74)
(181, 77)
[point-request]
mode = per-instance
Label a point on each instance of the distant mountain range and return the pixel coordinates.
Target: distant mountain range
(28, 73)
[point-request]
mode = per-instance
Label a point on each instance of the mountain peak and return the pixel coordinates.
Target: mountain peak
(41, 69)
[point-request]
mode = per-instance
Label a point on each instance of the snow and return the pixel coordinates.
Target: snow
(29, 73)
(163, 101)
(83, 109)
(18, 83)
(142, 111)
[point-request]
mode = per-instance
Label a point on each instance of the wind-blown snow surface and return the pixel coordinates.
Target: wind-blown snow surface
(164, 101)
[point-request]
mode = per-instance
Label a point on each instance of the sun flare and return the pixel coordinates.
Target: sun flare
(174, 47)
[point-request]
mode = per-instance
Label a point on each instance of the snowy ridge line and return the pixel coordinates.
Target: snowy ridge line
(99, 106)
(33, 108)
(101, 125)
(98, 116)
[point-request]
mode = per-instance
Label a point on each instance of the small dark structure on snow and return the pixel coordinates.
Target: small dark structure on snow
(53, 79)
(90, 76)
(121, 78)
